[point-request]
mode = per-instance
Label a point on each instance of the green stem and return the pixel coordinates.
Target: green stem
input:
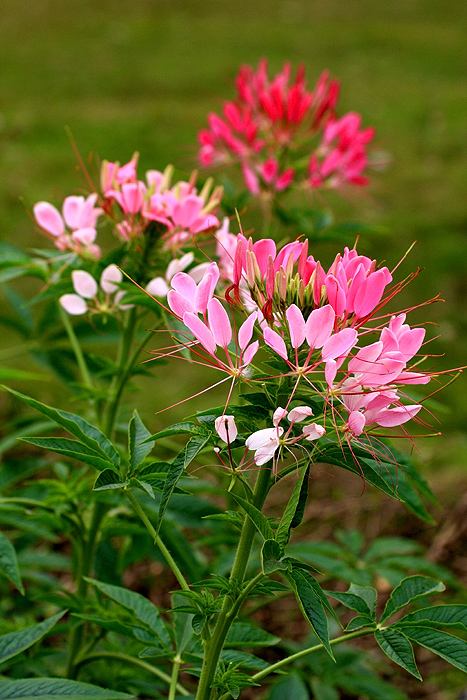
(74, 342)
(157, 541)
(174, 679)
(294, 657)
(230, 608)
(136, 662)
(122, 374)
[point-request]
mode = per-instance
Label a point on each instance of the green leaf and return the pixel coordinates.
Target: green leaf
(352, 600)
(78, 427)
(295, 508)
(15, 642)
(176, 469)
(323, 691)
(8, 374)
(108, 480)
(71, 448)
(271, 555)
(142, 608)
(9, 563)
(256, 516)
(176, 429)
(241, 634)
(384, 547)
(408, 590)
(360, 621)
(56, 689)
(289, 687)
(454, 616)
(242, 658)
(399, 649)
(311, 605)
(450, 648)
(138, 444)
(182, 625)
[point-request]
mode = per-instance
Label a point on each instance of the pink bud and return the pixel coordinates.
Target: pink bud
(226, 428)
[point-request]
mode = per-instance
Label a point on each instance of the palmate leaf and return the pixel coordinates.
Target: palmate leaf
(9, 563)
(399, 649)
(82, 430)
(408, 590)
(73, 449)
(56, 689)
(15, 642)
(142, 608)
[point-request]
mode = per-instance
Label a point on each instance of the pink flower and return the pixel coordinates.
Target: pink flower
(79, 217)
(226, 428)
(265, 443)
(87, 290)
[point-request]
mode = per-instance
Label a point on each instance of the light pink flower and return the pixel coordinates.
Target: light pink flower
(226, 428)
(265, 443)
(75, 230)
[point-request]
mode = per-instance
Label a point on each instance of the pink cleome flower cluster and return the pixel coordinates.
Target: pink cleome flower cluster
(178, 208)
(275, 126)
(319, 323)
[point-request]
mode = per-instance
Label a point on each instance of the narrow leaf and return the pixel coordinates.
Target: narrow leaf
(9, 563)
(56, 689)
(311, 606)
(108, 480)
(360, 621)
(241, 634)
(408, 590)
(256, 516)
(351, 601)
(271, 554)
(295, 508)
(177, 429)
(454, 616)
(399, 649)
(142, 608)
(73, 449)
(15, 642)
(176, 469)
(78, 427)
(450, 648)
(138, 444)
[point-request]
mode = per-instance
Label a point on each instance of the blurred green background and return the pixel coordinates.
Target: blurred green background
(141, 75)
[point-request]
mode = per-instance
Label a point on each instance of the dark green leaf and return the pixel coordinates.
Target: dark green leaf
(108, 480)
(242, 658)
(242, 634)
(257, 518)
(295, 508)
(176, 469)
(360, 621)
(271, 554)
(9, 563)
(311, 606)
(399, 649)
(450, 648)
(56, 689)
(138, 444)
(408, 590)
(323, 691)
(177, 429)
(72, 449)
(15, 642)
(142, 608)
(291, 687)
(454, 616)
(78, 427)
(352, 601)
(182, 625)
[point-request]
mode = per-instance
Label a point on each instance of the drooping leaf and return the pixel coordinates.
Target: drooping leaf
(108, 480)
(450, 648)
(454, 616)
(9, 563)
(138, 444)
(242, 634)
(408, 590)
(176, 469)
(15, 642)
(56, 689)
(73, 449)
(77, 426)
(142, 608)
(256, 516)
(399, 649)
(271, 554)
(295, 508)
(311, 605)
(351, 599)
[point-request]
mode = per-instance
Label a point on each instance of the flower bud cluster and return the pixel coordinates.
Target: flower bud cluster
(276, 126)
(104, 298)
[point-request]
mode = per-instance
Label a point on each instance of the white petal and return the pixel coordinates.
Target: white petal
(110, 275)
(73, 304)
(85, 285)
(158, 287)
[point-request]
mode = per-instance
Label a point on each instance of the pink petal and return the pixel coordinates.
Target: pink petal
(262, 250)
(339, 344)
(203, 294)
(410, 342)
(84, 284)
(397, 416)
(85, 236)
(226, 428)
(49, 218)
(299, 414)
(413, 378)
(185, 213)
(184, 284)
(370, 292)
(179, 304)
(296, 325)
(357, 422)
(73, 304)
(314, 431)
(330, 372)
(219, 323)
(278, 415)
(157, 287)
(200, 331)
(249, 353)
(110, 275)
(365, 358)
(245, 331)
(319, 326)
(71, 210)
(275, 342)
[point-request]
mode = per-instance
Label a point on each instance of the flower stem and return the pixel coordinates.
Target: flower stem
(157, 541)
(231, 606)
(136, 662)
(74, 342)
(174, 680)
